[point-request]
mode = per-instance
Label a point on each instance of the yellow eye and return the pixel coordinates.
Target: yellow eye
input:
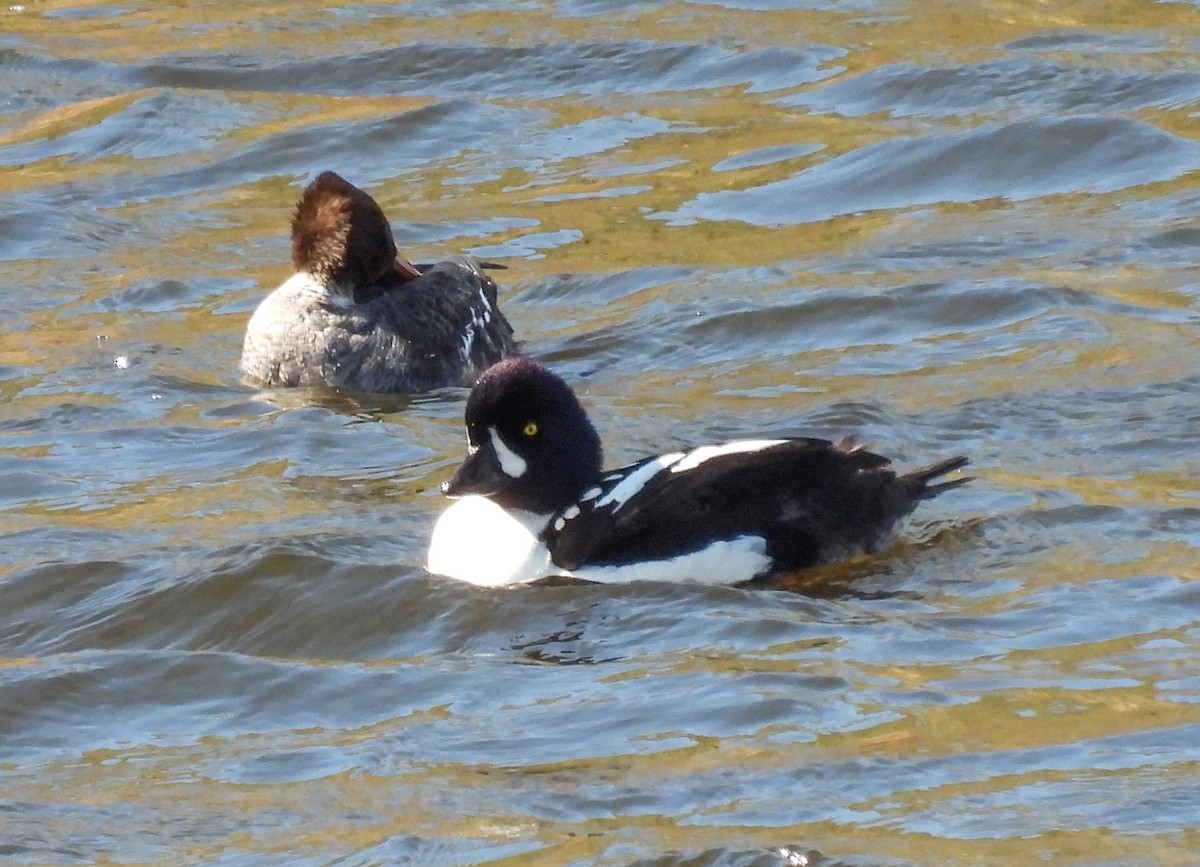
(530, 429)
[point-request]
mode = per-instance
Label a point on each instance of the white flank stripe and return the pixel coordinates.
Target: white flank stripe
(636, 480)
(706, 453)
(726, 561)
(512, 463)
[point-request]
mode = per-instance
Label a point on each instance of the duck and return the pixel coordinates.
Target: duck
(356, 315)
(531, 500)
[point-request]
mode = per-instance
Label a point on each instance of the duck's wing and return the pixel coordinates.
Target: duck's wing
(668, 505)
(422, 267)
(451, 304)
(460, 291)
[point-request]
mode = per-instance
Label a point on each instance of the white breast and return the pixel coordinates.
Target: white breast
(477, 541)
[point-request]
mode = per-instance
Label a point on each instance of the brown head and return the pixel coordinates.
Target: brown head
(341, 237)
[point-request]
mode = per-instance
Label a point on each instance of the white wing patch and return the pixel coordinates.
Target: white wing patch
(481, 317)
(698, 456)
(678, 462)
(466, 341)
(636, 480)
(569, 514)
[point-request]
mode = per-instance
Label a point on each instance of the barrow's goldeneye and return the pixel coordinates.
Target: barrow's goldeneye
(534, 501)
(357, 315)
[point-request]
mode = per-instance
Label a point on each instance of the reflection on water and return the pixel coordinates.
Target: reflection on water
(1017, 161)
(937, 227)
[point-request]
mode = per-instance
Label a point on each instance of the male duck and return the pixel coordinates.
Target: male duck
(535, 503)
(356, 315)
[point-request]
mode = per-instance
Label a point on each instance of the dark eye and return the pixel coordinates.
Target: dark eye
(530, 429)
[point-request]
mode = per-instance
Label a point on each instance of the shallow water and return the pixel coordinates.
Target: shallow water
(941, 227)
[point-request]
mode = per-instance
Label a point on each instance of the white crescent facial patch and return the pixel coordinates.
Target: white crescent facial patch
(511, 463)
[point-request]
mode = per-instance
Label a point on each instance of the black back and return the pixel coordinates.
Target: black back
(813, 502)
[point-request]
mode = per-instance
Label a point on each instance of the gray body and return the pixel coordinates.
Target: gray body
(440, 329)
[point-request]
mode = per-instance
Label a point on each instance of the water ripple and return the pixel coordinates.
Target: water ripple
(1017, 161)
(941, 230)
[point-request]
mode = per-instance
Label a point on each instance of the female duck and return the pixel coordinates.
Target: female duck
(534, 501)
(356, 315)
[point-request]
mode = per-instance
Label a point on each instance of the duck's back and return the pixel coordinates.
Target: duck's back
(449, 322)
(442, 328)
(810, 501)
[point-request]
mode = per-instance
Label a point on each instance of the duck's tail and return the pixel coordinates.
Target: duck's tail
(918, 480)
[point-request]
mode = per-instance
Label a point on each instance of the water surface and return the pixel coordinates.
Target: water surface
(940, 227)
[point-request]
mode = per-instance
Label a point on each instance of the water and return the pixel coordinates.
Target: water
(943, 228)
